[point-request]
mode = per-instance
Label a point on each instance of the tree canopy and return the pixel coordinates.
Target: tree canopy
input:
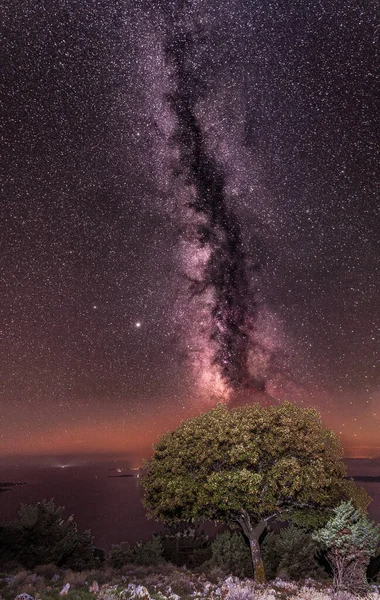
(262, 460)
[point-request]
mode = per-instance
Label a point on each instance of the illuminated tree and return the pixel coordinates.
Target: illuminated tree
(351, 539)
(245, 466)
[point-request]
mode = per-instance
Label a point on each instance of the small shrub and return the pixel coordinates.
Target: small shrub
(215, 573)
(119, 555)
(40, 535)
(148, 553)
(31, 584)
(18, 579)
(47, 571)
(181, 583)
(239, 591)
(231, 554)
(184, 545)
(291, 554)
(75, 579)
(153, 580)
(102, 576)
(142, 553)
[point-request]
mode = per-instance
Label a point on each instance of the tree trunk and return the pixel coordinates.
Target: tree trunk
(253, 535)
(257, 561)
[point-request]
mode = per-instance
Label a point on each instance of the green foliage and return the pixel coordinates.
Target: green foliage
(142, 553)
(231, 554)
(261, 460)
(40, 535)
(291, 554)
(119, 555)
(351, 539)
(308, 519)
(350, 532)
(148, 553)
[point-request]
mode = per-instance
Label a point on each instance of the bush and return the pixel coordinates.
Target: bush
(84, 555)
(119, 555)
(181, 584)
(231, 554)
(148, 553)
(41, 536)
(18, 579)
(184, 545)
(76, 580)
(291, 554)
(143, 553)
(351, 539)
(47, 571)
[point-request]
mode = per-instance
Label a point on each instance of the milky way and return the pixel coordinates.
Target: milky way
(217, 231)
(209, 170)
(224, 324)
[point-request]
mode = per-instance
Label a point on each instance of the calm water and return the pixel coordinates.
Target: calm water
(110, 506)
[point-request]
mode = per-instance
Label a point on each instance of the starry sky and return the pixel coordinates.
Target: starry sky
(190, 214)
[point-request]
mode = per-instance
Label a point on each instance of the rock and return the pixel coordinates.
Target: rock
(138, 591)
(94, 587)
(24, 596)
(64, 590)
(55, 578)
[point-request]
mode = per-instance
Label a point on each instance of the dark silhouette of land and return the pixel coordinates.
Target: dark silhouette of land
(366, 478)
(6, 485)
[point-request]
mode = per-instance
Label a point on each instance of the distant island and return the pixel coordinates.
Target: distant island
(5, 485)
(366, 478)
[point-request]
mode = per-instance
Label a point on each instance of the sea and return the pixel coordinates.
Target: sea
(104, 498)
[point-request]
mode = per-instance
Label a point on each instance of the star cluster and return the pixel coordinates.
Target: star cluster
(108, 331)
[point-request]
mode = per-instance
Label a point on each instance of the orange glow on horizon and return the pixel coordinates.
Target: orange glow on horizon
(123, 435)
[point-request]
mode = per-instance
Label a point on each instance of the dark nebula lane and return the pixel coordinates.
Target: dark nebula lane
(216, 228)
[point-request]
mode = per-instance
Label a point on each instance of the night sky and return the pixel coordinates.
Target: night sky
(190, 213)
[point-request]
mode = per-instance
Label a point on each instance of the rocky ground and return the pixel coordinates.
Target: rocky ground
(163, 582)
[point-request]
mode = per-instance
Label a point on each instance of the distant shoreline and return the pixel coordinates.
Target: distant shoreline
(375, 478)
(11, 483)
(5, 485)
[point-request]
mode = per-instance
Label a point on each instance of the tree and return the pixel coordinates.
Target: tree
(245, 466)
(351, 539)
(42, 536)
